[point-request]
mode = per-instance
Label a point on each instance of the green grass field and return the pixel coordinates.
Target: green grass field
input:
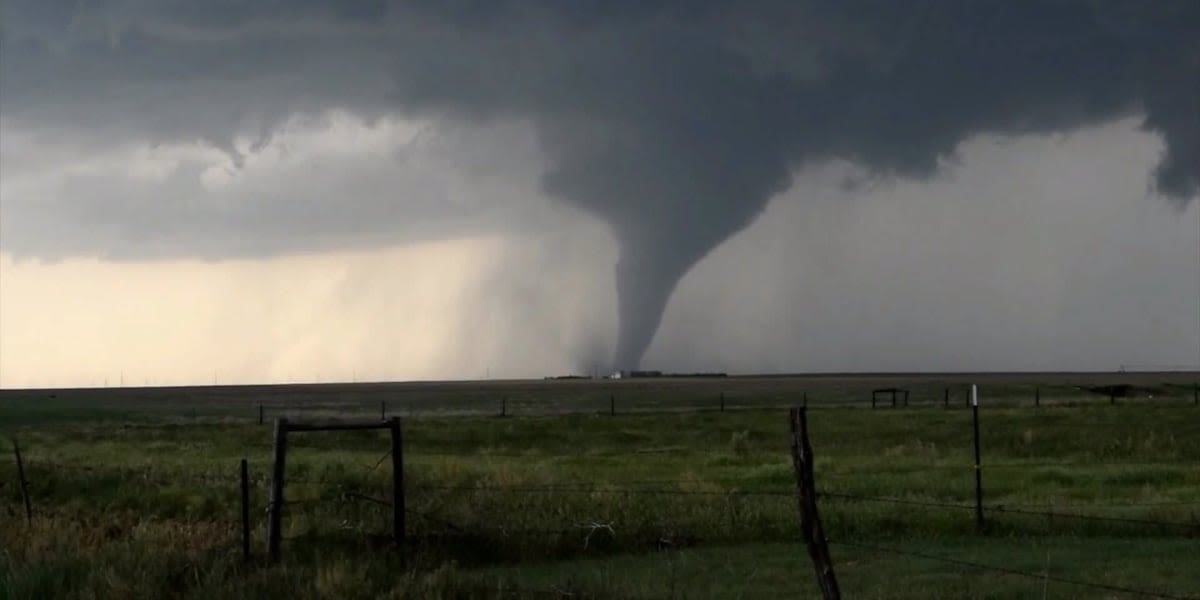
(136, 493)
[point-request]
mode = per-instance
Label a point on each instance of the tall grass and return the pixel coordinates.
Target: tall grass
(136, 510)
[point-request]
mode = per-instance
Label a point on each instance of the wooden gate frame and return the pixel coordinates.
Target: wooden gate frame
(893, 391)
(275, 508)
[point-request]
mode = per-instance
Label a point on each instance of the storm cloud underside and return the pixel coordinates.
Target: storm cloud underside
(674, 122)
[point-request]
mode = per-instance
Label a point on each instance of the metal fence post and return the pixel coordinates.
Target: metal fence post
(275, 510)
(245, 472)
(398, 505)
(978, 467)
(21, 481)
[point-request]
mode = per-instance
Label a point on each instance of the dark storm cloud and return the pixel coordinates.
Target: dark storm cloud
(666, 123)
(673, 121)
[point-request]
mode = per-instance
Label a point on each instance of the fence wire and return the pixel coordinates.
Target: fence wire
(1004, 509)
(1008, 571)
(678, 487)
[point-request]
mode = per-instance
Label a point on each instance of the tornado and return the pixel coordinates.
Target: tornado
(668, 205)
(645, 279)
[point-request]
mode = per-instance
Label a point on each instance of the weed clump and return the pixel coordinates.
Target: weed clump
(739, 443)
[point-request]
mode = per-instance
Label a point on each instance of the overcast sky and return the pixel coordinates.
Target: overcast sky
(321, 191)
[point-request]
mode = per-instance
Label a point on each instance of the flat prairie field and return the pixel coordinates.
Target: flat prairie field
(637, 488)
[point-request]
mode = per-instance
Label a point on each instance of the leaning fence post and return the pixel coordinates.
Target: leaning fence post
(24, 485)
(978, 468)
(275, 510)
(245, 468)
(806, 497)
(398, 507)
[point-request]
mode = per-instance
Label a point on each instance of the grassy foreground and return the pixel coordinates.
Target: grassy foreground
(648, 505)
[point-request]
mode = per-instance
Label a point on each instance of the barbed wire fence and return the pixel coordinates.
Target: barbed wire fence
(588, 529)
(200, 405)
(614, 404)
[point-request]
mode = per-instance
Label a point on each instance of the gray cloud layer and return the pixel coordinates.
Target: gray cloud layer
(675, 122)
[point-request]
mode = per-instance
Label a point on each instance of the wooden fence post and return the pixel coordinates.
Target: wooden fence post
(383, 410)
(245, 468)
(806, 497)
(1196, 393)
(398, 506)
(504, 406)
(612, 405)
(978, 468)
(275, 510)
(1037, 396)
(722, 401)
(260, 413)
(24, 485)
(946, 398)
